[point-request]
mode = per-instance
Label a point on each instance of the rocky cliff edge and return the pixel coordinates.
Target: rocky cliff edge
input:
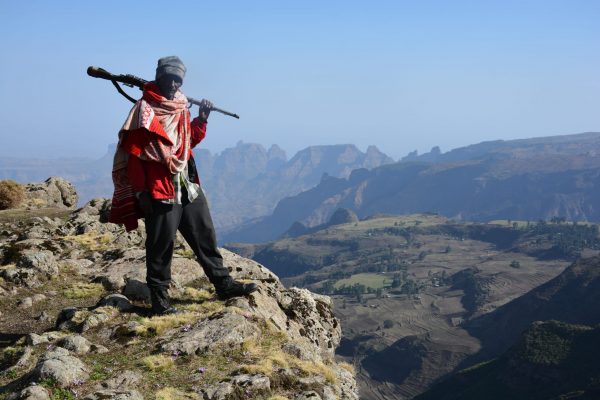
(74, 323)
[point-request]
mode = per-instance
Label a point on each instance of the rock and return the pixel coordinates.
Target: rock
(54, 192)
(38, 297)
(19, 276)
(117, 301)
(115, 395)
(98, 207)
(81, 265)
(253, 383)
(313, 320)
(75, 343)
(39, 260)
(223, 331)
(84, 320)
(43, 317)
(136, 289)
(34, 393)
(98, 349)
(66, 314)
(27, 302)
(128, 273)
(309, 395)
(244, 268)
(123, 381)
(219, 391)
(34, 339)
(60, 366)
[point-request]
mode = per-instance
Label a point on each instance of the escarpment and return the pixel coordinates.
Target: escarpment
(74, 321)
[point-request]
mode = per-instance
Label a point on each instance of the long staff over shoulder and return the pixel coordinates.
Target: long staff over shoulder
(132, 80)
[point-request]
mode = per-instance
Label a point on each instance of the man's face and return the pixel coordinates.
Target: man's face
(168, 85)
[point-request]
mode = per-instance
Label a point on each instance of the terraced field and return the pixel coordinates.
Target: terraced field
(404, 338)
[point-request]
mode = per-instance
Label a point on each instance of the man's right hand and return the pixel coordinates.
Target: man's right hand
(145, 202)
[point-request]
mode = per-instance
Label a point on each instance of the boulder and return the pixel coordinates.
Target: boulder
(75, 343)
(125, 380)
(60, 366)
(54, 192)
(252, 383)
(34, 393)
(218, 332)
(117, 301)
(219, 391)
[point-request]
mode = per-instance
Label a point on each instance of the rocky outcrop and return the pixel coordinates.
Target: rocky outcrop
(54, 192)
(277, 341)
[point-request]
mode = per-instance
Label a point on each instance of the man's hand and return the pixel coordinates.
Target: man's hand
(145, 202)
(204, 111)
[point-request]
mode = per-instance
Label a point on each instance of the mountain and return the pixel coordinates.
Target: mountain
(551, 360)
(242, 183)
(520, 180)
(572, 297)
(247, 181)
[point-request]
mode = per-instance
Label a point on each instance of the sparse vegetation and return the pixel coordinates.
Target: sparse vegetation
(158, 362)
(159, 324)
(81, 290)
(11, 194)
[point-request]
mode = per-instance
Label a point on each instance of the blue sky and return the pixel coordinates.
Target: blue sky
(398, 75)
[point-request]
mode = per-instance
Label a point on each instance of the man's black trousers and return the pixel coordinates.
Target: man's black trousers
(195, 224)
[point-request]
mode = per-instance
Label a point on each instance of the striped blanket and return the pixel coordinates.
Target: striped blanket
(156, 129)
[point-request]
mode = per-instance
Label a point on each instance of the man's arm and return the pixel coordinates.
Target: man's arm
(198, 131)
(199, 123)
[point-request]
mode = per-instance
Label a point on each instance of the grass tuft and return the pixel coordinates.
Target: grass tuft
(92, 241)
(348, 367)
(170, 393)
(84, 290)
(158, 362)
(191, 293)
(159, 324)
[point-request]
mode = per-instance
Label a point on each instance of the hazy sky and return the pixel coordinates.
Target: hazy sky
(399, 75)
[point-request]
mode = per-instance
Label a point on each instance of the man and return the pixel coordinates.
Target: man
(155, 177)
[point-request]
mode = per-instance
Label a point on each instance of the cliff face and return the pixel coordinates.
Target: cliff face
(74, 323)
(518, 180)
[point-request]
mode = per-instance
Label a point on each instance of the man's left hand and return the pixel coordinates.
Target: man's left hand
(204, 111)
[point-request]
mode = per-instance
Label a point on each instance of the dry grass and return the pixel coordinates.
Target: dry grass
(348, 367)
(170, 393)
(191, 293)
(83, 290)
(267, 355)
(159, 324)
(278, 397)
(204, 308)
(91, 241)
(11, 194)
(158, 362)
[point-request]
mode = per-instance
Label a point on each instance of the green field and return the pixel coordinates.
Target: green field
(374, 281)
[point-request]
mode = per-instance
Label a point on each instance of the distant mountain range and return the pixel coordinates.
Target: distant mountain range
(527, 179)
(242, 182)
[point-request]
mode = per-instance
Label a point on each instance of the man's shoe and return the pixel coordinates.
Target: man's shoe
(234, 288)
(161, 304)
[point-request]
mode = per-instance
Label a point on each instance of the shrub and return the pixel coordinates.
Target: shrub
(388, 323)
(11, 194)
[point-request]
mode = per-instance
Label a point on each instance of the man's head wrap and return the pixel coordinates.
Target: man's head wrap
(170, 65)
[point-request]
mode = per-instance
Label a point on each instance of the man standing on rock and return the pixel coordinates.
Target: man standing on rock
(155, 177)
